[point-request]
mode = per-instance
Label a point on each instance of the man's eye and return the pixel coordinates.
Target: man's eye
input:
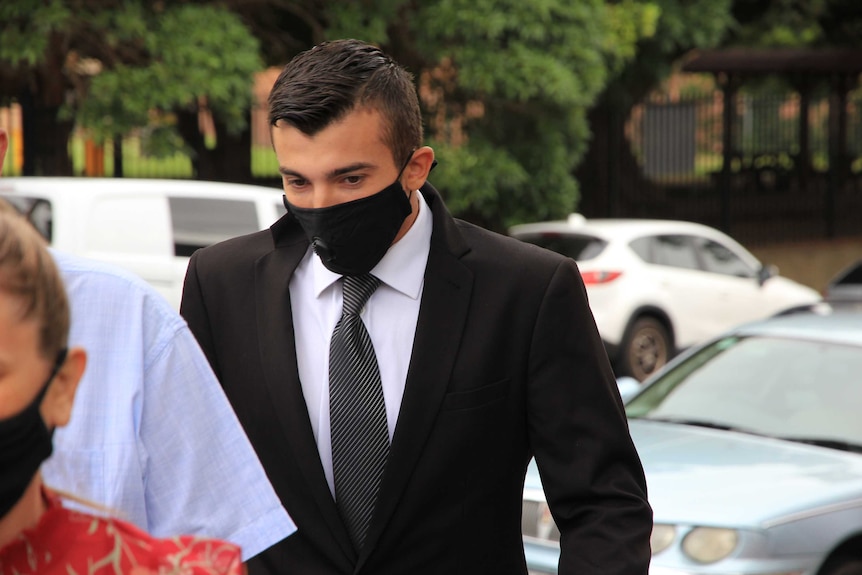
(295, 182)
(352, 180)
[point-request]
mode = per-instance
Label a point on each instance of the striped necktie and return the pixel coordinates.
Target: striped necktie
(357, 412)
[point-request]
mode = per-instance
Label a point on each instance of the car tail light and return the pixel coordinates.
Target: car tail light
(600, 277)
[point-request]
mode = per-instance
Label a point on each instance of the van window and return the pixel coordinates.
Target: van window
(129, 224)
(38, 211)
(200, 222)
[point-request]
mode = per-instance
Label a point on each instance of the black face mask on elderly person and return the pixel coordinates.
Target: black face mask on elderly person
(351, 238)
(25, 442)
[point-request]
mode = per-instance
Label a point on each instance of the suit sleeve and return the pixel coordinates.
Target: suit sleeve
(591, 474)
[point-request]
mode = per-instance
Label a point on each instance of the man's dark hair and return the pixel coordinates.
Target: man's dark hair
(327, 82)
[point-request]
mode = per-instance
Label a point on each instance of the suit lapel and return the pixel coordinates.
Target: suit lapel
(278, 356)
(442, 314)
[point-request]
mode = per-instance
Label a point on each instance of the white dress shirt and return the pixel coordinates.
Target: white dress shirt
(390, 317)
(152, 436)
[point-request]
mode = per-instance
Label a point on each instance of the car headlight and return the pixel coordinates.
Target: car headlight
(661, 537)
(709, 544)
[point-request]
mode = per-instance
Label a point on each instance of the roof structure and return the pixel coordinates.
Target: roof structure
(841, 66)
(776, 60)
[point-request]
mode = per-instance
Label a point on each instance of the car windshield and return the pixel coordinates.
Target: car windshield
(801, 390)
(576, 246)
(846, 286)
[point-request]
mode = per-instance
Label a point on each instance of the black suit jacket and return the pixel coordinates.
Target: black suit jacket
(506, 364)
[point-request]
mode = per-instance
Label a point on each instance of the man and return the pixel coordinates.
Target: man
(486, 354)
(152, 436)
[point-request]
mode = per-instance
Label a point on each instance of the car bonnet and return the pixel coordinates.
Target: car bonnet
(704, 476)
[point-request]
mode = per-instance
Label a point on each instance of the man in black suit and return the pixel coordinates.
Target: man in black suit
(486, 355)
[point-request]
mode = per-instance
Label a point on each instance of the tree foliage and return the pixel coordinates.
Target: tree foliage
(512, 90)
(505, 86)
(682, 26)
(114, 66)
(195, 55)
(793, 23)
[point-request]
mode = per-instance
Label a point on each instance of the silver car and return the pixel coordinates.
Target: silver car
(752, 447)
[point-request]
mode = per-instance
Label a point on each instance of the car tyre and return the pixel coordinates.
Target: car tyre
(850, 567)
(646, 347)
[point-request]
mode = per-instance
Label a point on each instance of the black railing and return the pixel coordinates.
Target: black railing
(784, 179)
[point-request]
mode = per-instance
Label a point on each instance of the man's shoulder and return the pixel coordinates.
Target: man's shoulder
(93, 284)
(503, 248)
(246, 248)
(99, 273)
(479, 244)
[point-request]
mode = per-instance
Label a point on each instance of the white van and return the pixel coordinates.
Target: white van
(148, 226)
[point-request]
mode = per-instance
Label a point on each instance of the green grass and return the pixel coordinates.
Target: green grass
(263, 162)
(8, 168)
(178, 165)
(135, 164)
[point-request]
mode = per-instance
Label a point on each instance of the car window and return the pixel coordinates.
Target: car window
(674, 251)
(578, 247)
(643, 248)
(39, 211)
(771, 385)
(851, 275)
(720, 259)
(199, 222)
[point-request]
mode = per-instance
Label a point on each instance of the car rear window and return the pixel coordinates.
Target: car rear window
(576, 246)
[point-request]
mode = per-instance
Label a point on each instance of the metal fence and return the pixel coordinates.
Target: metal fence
(786, 179)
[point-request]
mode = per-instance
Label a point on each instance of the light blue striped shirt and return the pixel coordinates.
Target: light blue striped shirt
(152, 435)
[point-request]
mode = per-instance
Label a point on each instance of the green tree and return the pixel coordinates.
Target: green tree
(793, 23)
(505, 84)
(505, 87)
(113, 66)
(683, 25)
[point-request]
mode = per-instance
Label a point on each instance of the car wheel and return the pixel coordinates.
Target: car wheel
(645, 349)
(850, 567)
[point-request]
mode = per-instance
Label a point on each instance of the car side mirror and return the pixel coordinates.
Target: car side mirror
(765, 272)
(628, 387)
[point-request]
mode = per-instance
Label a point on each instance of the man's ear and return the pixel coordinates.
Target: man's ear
(416, 171)
(58, 402)
(4, 145)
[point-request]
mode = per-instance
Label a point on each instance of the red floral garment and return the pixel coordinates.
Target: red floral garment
(67, 542)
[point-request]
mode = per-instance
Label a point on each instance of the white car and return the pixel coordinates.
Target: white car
(657, 287)
(148, 226)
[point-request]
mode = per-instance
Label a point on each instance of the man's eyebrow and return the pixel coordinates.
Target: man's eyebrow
(287, 172)
(351, 168)
(333, 174)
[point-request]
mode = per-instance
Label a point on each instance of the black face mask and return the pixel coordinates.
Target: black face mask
(25, 442)
(350, 238)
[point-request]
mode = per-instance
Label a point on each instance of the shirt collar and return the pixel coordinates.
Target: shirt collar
(402, 266)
